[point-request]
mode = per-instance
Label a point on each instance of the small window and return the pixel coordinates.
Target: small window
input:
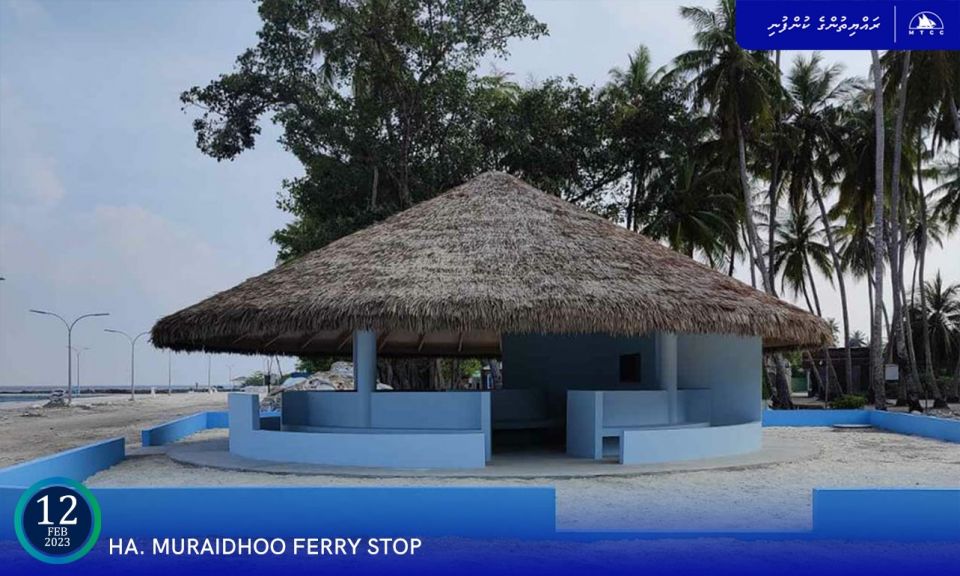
(630, 368)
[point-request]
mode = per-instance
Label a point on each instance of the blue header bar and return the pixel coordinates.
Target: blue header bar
(849, 24)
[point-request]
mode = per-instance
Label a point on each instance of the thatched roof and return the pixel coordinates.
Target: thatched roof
(493, 256)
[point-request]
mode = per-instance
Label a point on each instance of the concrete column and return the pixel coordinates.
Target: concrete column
(667, 371)
(365, 370)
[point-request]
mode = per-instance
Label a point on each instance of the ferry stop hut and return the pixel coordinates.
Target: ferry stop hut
(625, 346)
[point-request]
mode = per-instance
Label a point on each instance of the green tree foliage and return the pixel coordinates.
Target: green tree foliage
(377, 99)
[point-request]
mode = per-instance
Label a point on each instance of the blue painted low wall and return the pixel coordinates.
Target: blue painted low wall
(77, 464)
(175, 430)
(170, 432)
(501, 512)
(364, 447)
(814, 417)
(916, 425)
(880, 513)
(901, 423)
(672, 445)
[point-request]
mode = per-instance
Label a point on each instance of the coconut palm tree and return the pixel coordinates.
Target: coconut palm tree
(857, 340)
(876, 354)
(817, 93)
(948, 205)
(799, 252)
(738, 86)
(943, 317)
(902, 337)
(646, 121)
(695, 209)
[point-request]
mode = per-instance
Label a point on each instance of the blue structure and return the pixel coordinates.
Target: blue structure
(608, 339)
(641, 400)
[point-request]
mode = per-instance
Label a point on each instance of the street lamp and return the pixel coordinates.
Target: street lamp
(133, 345)
(69, 326)
(77, 351)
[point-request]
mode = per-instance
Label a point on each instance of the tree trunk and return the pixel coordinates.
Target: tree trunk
(838, 266)
(375, 187)
(756, 252)
(817, 377)
(779, 383)
(774, 184)
(876, 336)
(753, 269)
(896, 270)
(806, 297)
(929, 377)
(813, 286)
(956, 377)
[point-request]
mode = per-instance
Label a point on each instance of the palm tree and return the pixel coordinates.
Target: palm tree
(902, 337)
(926, 227)
(876, 353)
(937, 77)
(738, 86)
(857, 340)
(948, 206)
(817, 93)
(943, 316)
(799, 251)
(694, 209)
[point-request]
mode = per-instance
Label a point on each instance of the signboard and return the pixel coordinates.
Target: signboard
(848, 24)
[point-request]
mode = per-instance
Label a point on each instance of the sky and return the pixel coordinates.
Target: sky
(107, 205)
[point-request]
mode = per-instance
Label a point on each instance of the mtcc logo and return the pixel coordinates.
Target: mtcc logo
(926, 24)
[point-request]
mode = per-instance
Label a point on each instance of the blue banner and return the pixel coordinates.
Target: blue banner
(849, 25)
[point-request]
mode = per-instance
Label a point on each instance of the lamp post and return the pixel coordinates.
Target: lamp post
(133, 346)
(77, 351)
(69, 326)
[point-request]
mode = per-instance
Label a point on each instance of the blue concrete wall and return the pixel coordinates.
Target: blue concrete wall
(591, 413)
(220, 419)
(916, 425)
(730, 366)
(584, 421)
(172, 431)
(897, 514)
(76, 464)
(814, 417)
(320, 408)
(578, 361)
(368, 447)
(676, 444)
(556, 363)
(517, 405)
(912, 424)
(635, 408)
(694, 405)
(509, 512)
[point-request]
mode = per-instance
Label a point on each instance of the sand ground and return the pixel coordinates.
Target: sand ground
(27, 431)
(773, 497)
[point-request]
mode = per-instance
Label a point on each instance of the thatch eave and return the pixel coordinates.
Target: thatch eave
(495, 256)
